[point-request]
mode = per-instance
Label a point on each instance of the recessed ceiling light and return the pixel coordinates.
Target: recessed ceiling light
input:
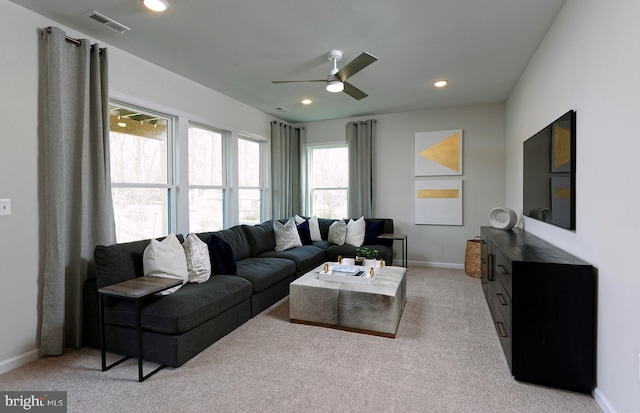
(441, 83)
(156, 5)
(306, 101)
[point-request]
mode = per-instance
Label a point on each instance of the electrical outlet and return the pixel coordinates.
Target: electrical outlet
(5, 207)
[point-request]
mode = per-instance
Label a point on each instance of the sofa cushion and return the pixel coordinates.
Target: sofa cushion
(324, 224)
(314, 227)
(265, 272)
(198, 261)
(305, 233)
(303, 256)
(237, 239)
(166, 259)
(183, 310)
(260, 237)
(374, 229)
(286, 235)
(223, 260)
(120, 262)
(355, 232)
(337, 232)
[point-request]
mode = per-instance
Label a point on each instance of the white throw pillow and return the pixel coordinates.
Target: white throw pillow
(286, 235)
(314, 227)
(337, 232)
(355, 232)
(166, 259)
(198, 263)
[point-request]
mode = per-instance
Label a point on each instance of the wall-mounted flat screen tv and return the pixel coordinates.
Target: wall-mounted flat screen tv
(550, 173)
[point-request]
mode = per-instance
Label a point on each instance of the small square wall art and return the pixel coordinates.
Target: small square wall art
(438, 202)
(438, 153)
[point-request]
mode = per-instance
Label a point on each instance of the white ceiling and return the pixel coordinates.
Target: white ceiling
(238, 47)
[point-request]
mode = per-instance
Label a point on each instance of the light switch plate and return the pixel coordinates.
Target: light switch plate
(5, 207)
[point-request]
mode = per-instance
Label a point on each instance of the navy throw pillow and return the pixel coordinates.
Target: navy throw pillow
(223, 261)
(372, 231)
(305, 233)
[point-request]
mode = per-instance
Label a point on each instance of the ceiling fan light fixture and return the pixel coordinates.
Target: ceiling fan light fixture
(335, 86)
(156, 5)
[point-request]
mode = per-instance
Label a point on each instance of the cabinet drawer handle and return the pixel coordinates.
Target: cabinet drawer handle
(501, 332)
(501, 299)
(490, 266)
(502, 270)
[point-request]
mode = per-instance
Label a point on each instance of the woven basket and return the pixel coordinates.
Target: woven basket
(472, 264)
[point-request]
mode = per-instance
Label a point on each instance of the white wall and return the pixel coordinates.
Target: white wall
(394, 176)
(21, 252)
(589, 62)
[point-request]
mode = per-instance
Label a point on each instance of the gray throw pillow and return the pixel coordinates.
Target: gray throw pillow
(337, 232)
(286, 235)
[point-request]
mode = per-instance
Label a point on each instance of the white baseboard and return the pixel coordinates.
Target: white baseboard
(603, 402)
(17, 361)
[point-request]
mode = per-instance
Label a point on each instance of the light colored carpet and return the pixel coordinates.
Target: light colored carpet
(446, 358)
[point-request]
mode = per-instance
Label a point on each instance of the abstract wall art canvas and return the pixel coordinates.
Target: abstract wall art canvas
(438, 202)
(438, 153)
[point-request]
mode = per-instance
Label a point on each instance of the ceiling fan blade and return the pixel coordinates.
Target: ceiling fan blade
(353, 91)
(356, 65)
(298, 81)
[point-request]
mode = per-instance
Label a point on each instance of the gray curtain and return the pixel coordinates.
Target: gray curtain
(78, 213)
(360, 136)
(285, 169)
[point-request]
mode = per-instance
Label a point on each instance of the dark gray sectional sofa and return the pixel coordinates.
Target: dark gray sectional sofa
(178, 326)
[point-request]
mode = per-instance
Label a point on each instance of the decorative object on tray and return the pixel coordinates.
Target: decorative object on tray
(346, 273)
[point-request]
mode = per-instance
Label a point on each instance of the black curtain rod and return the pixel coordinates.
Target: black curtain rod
(67, 38)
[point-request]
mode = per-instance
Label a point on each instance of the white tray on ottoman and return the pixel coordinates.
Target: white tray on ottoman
(374, 308)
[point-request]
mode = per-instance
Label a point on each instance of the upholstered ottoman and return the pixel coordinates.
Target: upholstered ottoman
(373, 308)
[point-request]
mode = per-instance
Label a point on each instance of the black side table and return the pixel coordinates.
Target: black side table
(405, 246)
(136, 289)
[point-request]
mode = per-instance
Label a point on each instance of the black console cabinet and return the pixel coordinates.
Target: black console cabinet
(543, 304)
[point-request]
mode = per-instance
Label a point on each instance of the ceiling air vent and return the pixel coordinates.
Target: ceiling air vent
(110, 23)
(281, 109)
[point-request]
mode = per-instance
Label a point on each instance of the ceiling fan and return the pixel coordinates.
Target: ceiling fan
(337, 79)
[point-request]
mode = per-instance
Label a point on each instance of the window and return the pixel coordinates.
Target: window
(172, 173)
(141, 172)
(328, 181)
(207, 179)
(250, 186)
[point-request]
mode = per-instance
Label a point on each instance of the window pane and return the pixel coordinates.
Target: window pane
(249, 201)
(330, 168)
(206, 210)
(248, 163)
(205, 157)
(329, 203)
(138, 151)
(140, 213)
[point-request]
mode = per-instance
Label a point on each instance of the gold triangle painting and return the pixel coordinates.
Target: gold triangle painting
(439, 153)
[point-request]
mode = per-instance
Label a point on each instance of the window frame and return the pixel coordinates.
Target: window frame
(262, 187)
(170, 185)
(308, 204)
(225, 185)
